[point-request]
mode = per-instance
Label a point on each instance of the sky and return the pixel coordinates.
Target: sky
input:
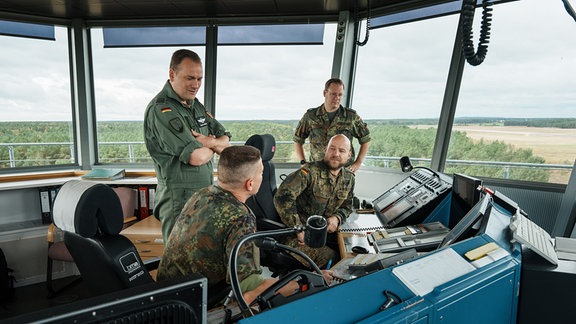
(401, 73)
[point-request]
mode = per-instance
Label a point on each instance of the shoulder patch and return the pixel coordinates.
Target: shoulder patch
(176, 123)
(166, 109)
(209, 114)
(304, 171)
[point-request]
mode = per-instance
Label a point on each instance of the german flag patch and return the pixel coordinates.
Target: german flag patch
(165, 110)
(304, 171)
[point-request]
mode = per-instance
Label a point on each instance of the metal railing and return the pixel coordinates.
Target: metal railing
(382, 161)
(12, 156)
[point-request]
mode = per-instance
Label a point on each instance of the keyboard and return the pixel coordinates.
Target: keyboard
(533, 236)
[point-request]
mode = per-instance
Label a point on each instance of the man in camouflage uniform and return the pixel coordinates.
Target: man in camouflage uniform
(331, 118)
(323, 188)
(181, 137)
(211, 223)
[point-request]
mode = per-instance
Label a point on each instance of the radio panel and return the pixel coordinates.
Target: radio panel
(412, 199)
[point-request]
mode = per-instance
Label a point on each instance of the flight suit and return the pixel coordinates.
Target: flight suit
(311, 190)
(316, 124)
(169, 140)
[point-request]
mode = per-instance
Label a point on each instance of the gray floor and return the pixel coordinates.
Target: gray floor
(31, 298)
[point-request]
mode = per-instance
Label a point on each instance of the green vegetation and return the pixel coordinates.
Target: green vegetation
(390, 139)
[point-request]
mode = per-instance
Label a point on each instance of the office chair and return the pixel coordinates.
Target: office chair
(57, 250)
(89, 215)
(262, 204)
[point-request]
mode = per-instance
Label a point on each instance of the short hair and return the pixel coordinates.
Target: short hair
(180, 55)
(237, 164)
(333, 81)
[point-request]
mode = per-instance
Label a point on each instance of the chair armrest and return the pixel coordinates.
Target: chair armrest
(265, 224)
(51, 233)
(152, 264)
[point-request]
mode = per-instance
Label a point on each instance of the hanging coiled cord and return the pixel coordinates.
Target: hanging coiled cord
(468, 8)
(569, 9)
(357, 21)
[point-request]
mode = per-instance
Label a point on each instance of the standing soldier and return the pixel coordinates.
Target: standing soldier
(181, 137)
(331, 118)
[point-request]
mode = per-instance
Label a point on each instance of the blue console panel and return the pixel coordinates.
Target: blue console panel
(488, 294)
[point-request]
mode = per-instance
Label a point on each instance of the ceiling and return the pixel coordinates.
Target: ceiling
(168, 9)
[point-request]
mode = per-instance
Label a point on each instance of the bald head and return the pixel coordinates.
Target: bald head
(337, 152)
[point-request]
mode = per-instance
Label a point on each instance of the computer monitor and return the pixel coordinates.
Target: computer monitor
(465, 195)
(469, 225)
(179, 301)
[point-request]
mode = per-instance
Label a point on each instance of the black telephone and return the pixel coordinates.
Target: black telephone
(308, 282)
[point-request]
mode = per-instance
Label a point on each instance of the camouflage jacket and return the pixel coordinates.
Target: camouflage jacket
(212, 221)
(316, 124)
(311, 190)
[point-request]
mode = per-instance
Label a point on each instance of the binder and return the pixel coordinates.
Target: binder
(45, 206)
(53, 193)
(136, 211)
(361, 223)
(144, 202)
(151, 197)
(105, 174)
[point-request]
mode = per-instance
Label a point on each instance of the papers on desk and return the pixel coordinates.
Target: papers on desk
(565, 248)
(422, 275)
(358, 223)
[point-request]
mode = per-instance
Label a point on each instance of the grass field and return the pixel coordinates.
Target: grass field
(555, 145)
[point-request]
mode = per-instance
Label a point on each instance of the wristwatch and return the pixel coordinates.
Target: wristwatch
(303, 162)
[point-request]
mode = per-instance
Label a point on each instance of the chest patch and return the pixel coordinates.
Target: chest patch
(201, 121)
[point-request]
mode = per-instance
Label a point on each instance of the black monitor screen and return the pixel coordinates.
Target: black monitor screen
(465, 194)
(178, 301)
(469, 225)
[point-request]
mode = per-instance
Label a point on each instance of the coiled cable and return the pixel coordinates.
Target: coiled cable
(468, 8)
(357, 21)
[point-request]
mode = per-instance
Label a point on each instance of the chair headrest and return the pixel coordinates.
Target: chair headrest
(265, 143)
(84, 207)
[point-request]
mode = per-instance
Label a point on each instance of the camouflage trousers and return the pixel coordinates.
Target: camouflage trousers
(320, 256)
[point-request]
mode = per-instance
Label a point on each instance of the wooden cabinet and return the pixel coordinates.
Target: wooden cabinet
(146, 235)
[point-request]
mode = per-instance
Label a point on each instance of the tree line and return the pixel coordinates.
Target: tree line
(390, 138)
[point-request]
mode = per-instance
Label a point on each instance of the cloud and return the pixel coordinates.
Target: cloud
(401, 72)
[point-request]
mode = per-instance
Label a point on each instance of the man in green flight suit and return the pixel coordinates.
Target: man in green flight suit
(331, 118)
(181, 137)
(324, 188)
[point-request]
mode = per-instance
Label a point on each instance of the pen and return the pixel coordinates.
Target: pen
(329, 264)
